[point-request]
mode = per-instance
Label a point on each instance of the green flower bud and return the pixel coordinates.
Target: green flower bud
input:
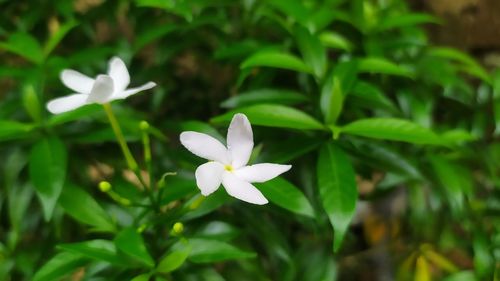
(178, 228)
(144, 125)
(104, 186)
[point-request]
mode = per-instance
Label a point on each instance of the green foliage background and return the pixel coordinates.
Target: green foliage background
(393, 141)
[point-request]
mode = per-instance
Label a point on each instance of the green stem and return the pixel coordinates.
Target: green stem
(147, 155)
(132, 164)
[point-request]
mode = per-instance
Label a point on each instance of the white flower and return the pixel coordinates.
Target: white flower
(229, 166)
(105, 88)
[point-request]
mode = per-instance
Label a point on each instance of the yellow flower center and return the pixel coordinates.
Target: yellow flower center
(228, 168)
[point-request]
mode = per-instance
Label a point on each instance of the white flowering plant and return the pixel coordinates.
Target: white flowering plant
(281, 140)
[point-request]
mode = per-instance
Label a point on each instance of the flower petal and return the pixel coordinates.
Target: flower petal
(205, 146)
(209, 177)
(118, 71)
(261, 172)
(240, 140)
(76, 81)
(102, 90)
(132, 91)
(67, 103)
(242, 190)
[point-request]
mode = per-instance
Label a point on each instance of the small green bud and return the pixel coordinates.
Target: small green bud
(141, 228)
(104, 186)
(178, 228)
(144, 125)
(124, 201)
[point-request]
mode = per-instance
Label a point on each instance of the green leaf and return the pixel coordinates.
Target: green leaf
(469, 64)
(59, 266)
(209, 251)
(312, 50)
(276, 59)
(392, 129)
(217, 230)
(448, 176)
(382, 66)
(268, 96)
(142, 277)
(81, 206)
(403, 20)
(58, 36)
(101, 250)
(336, 41)
(47, 168)
(174, 259)
(77, 114)
(331, 100)
(286, 195)
(24, 45)
(131, 243)
(273, 116)
(292, 8)
(384, 157)
(367, 95)
(462, 276)
(10, 130)
(338, 189)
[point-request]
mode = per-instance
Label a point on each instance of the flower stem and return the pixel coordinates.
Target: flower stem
(131, 163)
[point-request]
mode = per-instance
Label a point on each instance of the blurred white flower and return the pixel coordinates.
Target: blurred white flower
(105, 88)
(229, 166)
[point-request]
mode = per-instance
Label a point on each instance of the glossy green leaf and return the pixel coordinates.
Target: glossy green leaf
(382, 66)
(142, 277)
(403, 20)
(272, 115)
(24, 45)
(336, 41)
(392, 129)
(312, 50)
(385, 157)
(267, 96)
(292, 8)
(174, 259)
(81, 206)
(131, 243)
(332, 99)
(59, 266)
(209, 251)
(338, 189)
(10, 130)
(47, 168)
(56, 38)
(276, 59)
(101, 250)
(286, 195)
(217, 230)
(469, 64)
(370, 96)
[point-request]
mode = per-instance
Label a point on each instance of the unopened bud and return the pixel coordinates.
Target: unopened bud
(104, 186)
(144, 125)
(178, 228)
(141, 228)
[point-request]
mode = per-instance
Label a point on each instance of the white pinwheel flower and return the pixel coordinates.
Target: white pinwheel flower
(229, 165)
(103, 89)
